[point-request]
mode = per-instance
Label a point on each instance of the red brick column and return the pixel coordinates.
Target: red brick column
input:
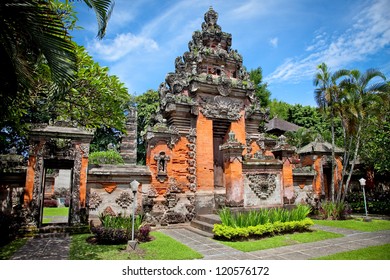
(204, 153)
(232, 155)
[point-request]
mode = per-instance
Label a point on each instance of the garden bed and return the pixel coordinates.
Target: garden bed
(261, 223)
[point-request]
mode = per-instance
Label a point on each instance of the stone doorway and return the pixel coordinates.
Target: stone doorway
(56, 193)
(57, 147)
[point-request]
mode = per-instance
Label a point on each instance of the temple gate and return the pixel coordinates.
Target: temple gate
(57, 147)
(204, 149)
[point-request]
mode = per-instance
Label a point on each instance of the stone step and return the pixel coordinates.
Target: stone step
(200, 232)
(52, 229)
(63, 229)
(209, 218)
(52, 235)
(203, 226)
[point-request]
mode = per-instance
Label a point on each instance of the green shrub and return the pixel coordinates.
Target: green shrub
(222, 231)
(106, 157)
(120, 221)
(262, 216)
(332, 210)
(378, 202)
(117, 229)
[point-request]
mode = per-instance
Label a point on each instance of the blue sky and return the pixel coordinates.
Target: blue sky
(286, 38)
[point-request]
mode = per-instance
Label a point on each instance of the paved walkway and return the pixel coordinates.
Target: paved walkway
(44, 248)
(57, 248)
(213, 250)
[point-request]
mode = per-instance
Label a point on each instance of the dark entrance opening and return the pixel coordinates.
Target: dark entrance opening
(220, 129)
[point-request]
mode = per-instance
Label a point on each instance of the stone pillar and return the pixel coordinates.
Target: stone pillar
(128, 149)
(232, 154)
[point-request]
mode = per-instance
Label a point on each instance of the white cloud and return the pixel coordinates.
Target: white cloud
(274, 42)
(121, 45)
(253, 9)
(369, 34)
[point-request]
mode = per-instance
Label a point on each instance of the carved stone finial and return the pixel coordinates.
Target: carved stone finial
(211, 16)
(232, 136)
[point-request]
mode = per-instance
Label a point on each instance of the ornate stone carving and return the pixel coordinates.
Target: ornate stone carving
(191, 162)
(59, 148)
(263, 185)
(162, 161)
(192, 186)
(225, 87)
(124, 200)
(232, 149)
(191, 136)
(94, 200)
(191, 147)
(192, 155)
(191, 178)
(174, 187)
(191, 170)
(179, 64)
(221, 108)
(172, 217)
(108, 211)
(210, 18)
(171, 193)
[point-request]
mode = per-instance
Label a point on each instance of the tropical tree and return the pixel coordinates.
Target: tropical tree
(327, 94)
(147, 107)
(94, 99)
(301, 137)
(31, 30)
(364, 96)
(38, 59)
(261, 90)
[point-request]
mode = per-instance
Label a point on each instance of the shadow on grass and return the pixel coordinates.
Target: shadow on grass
(7, 250)
(84, 247)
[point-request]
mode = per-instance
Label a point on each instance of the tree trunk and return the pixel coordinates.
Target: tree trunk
(347, 149)
(353, 162)
(333, 161)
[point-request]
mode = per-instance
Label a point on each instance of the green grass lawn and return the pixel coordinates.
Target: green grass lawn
(281, 240)
(161, 248)
(55, 211)
(381, 252)
(356, 224)
(9, 249)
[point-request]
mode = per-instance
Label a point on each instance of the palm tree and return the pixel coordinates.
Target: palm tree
(363, 97)
(327, 95)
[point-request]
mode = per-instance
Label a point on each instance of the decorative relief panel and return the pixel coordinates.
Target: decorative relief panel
(94, 200)
(124, 200)
(263, 185)
(221, 107)
(192, 186)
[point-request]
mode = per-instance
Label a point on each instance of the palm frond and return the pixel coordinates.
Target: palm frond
(103, 10)
(29, 28)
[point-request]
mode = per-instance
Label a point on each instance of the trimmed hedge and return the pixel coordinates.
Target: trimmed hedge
(234, 233)
(106, 157)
